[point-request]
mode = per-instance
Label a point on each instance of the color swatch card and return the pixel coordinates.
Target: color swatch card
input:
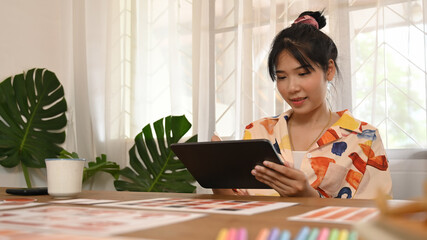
(83, 201)
(6, 204)
(11, 234)
(336, 214)
(88, 221)
(240, 207)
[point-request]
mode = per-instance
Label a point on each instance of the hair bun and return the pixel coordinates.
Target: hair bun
(318, 16)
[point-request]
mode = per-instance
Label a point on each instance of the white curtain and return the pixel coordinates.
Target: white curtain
(96, 107)
(133, 60)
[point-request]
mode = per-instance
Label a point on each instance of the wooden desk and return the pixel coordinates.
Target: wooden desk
(209, 226)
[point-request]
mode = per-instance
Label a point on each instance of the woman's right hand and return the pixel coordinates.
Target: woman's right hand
(227, 191)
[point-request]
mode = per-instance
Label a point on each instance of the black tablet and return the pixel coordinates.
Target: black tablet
(226, 164)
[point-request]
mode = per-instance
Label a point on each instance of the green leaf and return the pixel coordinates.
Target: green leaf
(135, 178)
(127, 186)
(101, 165)
(65, 154)
(32, 118)
(154, 166)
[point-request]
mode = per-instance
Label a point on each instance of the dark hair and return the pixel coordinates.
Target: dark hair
(305, 42)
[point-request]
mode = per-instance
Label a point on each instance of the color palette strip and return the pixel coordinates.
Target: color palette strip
(238, 207)
(337, 214)
(305, 233)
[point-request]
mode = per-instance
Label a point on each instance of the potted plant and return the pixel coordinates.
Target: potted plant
(32, 119)
(153, 165)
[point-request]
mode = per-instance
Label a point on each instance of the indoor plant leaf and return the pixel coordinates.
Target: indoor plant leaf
(153, 165)
(100, 165)
(32, 119)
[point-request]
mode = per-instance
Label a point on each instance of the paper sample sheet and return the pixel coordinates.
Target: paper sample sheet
(240, 207)
(83, 201)
(88, 221)
(336, 214)
(10, 234)
(6, 204)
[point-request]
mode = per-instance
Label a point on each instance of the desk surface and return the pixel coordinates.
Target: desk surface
(209, 226)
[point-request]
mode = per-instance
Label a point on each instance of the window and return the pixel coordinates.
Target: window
(388, 63)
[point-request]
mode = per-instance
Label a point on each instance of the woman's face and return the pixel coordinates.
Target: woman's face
(302, 87)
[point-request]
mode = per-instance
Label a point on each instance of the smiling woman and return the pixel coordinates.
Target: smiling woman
(343, 157)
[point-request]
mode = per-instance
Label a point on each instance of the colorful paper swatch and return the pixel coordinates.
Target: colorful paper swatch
(242, 207)
(83, 201)
(6, 204)
(336, 214)
(10, 234)
(88, 221)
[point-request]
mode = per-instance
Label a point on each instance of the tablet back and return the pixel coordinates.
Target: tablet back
(226, 164)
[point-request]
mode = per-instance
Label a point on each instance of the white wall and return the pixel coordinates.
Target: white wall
(408, 177)
(35, 33)
(409, 173)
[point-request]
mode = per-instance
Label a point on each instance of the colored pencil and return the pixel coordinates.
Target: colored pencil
(313, 234)
(222, 235)
(232, 233)
(303, 233)
(324, 234)
(286, 235)
(274, 234)
(343, 234)
(334, 234)
(353, 235)
(263, 234)
(242, 234)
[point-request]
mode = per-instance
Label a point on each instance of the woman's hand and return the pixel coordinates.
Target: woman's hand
(287, 181)
(227, 191)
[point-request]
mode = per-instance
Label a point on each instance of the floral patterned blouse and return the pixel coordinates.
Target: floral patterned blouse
(348, 161)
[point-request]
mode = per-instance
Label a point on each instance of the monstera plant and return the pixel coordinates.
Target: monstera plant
(100, 165)
(154, 166)
(32, 119)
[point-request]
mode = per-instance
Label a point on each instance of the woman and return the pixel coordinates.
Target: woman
(325, 154)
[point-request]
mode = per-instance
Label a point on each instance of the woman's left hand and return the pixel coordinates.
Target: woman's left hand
(287, 181)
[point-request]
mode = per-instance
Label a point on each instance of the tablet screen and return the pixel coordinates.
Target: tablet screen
(226, 164)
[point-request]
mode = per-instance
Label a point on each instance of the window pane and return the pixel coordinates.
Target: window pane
(389, 72)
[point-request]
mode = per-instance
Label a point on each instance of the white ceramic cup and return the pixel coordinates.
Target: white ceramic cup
(64, 176)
